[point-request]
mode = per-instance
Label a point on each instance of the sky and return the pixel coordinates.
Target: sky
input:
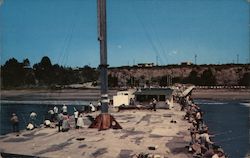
(139, 31)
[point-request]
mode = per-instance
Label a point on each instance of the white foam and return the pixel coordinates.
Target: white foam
(211, 103)
(246, 104)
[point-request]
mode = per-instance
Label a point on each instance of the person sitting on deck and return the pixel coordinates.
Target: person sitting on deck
(199, 119)
(218, 153)
(15, 123)
(193, 134)
(33, 116)
(52, 115)
(204, 138)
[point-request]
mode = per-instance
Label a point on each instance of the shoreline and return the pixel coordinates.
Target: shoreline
(72, 95)
(222, 94)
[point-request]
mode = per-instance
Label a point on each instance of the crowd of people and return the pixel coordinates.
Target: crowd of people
(201, 144)
(56, 117)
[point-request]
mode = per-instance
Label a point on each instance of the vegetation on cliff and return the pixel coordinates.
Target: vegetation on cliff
(15, 74)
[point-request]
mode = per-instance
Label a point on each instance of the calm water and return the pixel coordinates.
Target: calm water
(23, 111)
(230, 122)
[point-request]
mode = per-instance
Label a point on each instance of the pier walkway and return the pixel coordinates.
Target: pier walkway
(144, 131)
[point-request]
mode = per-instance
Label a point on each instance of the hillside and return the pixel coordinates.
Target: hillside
(231, 74)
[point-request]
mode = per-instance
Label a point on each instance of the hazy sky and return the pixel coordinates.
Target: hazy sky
(138, 31)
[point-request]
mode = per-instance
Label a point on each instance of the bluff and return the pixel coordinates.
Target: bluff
(226, 75)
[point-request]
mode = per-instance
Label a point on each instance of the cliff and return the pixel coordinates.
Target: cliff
(230, 74)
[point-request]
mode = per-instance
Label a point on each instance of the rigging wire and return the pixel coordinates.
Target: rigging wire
(64, 53)
(147, 34)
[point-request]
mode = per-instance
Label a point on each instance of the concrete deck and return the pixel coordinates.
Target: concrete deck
(141, 129)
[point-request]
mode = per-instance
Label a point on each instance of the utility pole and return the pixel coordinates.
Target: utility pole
(156, 60)
(237, 58)
(195, 59)
(104, 120)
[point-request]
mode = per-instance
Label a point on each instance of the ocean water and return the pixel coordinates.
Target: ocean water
(23, 111)
(230, 122)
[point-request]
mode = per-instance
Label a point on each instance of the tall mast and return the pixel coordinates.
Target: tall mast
(102, 37)
(104, 120)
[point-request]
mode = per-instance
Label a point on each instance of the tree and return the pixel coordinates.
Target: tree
(207, 78)
(112, 81)
(12, 73)
(245, 80)
(44, 71)
(192, 78)
(89, 74)
(26, 63)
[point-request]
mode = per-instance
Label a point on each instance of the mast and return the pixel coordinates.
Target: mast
(102, 37)
(104, 120)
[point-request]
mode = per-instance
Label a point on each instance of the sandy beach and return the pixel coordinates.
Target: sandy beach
(94, 94)
(222, 94)
(56, 95)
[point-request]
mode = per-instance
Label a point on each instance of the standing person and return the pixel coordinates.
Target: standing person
(15, 123)
(52, 114)
(154, 104)
(80, 123)
(65, 110)
(92, 107)
(55, 111)
(76, 113)
(65, 123)
(60, 120)
(99, 105)
(33, 116)
(199, 119)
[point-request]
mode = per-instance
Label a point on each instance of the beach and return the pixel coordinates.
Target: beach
(94, 94)
(222, 94)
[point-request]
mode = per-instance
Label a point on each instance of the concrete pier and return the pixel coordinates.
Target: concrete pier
(144, 132)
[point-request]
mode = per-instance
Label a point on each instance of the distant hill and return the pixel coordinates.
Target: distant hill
(229, 74)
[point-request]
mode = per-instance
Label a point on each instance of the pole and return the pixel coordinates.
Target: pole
(102, 37)
(195, 59)
(237, 58)
(104, 120)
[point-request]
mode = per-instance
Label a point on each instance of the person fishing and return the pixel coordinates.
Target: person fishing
(76, 113)
(60, 121)
(55, 111)
(65, 110)
(154, 104)
(15, 123)
(204, 138)
(65, 123)
(92, 108)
